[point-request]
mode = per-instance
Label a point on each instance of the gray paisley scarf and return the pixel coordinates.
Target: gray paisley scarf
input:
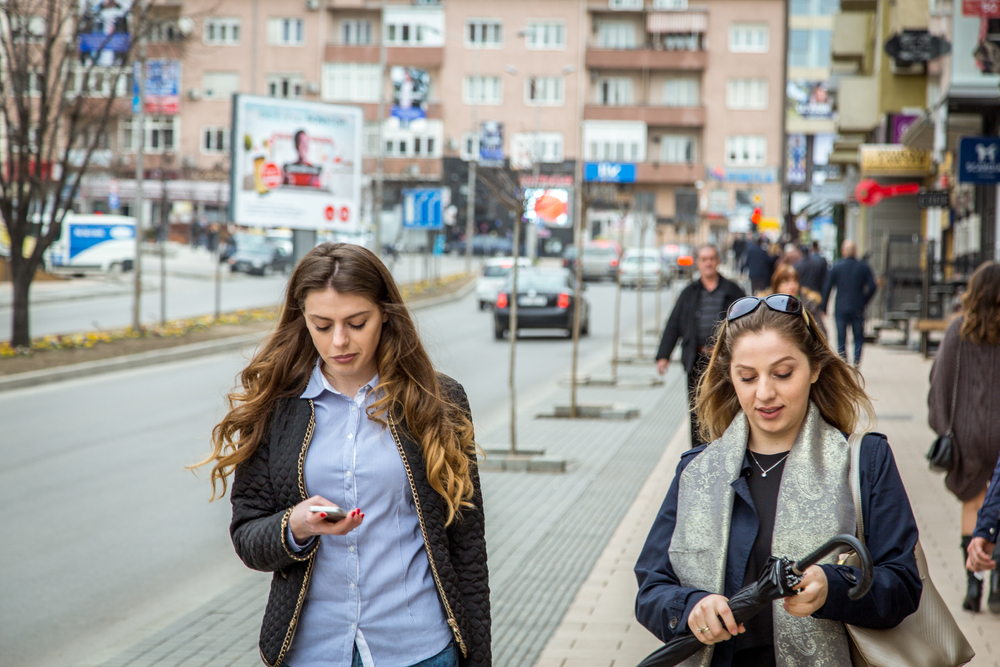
(814, 503)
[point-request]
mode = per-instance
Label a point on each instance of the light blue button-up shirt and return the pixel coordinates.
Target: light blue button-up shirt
(373, 587)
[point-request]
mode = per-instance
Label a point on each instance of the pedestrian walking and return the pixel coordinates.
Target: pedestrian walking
(984, 540)
(776, 402)
(700, 306)
(341, 408)
(759, 265)
(786, 281)
(813, 269)
(966, 375)
(739, 249)
(855, 285)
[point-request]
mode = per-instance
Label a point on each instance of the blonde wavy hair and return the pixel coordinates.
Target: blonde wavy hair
(408, 386)
(838, 393)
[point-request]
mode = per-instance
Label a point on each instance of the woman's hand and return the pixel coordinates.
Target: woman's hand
(712, 621)
(980, 555)
(811, 593)
(305, 524)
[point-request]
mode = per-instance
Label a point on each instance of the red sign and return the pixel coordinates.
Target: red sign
(344, 214)
(870, 192)
(330, 212)
(985, 8)
(270, 175)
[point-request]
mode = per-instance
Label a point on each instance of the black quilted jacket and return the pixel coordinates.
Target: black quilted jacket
(269, 484)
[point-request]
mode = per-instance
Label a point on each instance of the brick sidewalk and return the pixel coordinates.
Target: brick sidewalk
(600, 630)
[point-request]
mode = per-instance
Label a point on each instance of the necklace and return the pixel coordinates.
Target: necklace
(763, 473)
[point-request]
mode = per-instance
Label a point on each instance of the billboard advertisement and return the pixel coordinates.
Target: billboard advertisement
(163, 82)
(296, 164)
(104, 31)
(547, 208)
(796, 159)
(810, 100)
(410, 90)
(491, 144)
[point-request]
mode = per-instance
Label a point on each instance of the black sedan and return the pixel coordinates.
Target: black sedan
(259, 255)
(545, 300)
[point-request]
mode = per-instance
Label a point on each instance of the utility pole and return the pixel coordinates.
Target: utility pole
(470, 195)
(139, 134)
(578, 204)
(380, 154)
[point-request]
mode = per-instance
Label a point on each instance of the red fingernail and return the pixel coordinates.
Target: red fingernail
(322, 515)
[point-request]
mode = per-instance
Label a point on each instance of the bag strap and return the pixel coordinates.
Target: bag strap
(954, 389)
(855, 443)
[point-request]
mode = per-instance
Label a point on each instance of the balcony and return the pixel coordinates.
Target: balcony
(652, 59)
(659, 173)
(650, 115)
(408, 56)
(370, 109)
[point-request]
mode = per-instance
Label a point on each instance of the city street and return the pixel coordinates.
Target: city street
(115, 539)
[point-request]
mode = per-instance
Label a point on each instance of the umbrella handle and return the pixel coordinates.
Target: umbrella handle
(867, 569)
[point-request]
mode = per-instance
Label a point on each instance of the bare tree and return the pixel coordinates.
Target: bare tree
(57, 104)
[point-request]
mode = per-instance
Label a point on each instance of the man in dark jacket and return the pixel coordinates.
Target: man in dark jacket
(813, 269)
(699, 308)
(759, 265)
(855, 285)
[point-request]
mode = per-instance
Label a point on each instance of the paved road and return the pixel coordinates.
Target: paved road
(115, 538)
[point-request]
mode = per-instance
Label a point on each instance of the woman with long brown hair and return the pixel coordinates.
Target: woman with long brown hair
(355, 480)
(967, 371)
(776, 403)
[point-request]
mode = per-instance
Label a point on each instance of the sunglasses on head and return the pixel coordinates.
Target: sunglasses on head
(780, 303)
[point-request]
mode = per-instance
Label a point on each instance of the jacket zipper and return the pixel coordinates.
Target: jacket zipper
(452, 623)
(290, 633)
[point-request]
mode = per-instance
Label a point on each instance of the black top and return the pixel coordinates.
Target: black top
(711, 310)
(855, 285)
(683, 322)
(764, 491)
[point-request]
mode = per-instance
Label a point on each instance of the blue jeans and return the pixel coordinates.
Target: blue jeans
(857, 322)
(446, 658)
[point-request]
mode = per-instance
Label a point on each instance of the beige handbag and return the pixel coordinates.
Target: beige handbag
(929, 637)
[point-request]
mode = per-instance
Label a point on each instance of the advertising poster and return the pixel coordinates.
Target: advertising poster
(491, 144)
(797, 151)
(410, 90)
(163, 82)
(549, 208)
(104, 31)
(296, 164)
(810, 100)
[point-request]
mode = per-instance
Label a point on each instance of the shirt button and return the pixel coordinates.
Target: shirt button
(350, 435)
(352, 584)
(353, 626)
(673, 622)
(348, 473)
(351, 548)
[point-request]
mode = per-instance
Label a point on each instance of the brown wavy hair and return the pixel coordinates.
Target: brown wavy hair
(981, 306)
(838, 393)
(408, 385)
(783, 273)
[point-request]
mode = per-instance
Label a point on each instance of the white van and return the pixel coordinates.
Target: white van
(92, 243)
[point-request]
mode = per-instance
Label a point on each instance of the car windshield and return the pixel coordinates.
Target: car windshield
(634, 259)
(496, 271)
(598, 252)
(251, 242)
(541, 281)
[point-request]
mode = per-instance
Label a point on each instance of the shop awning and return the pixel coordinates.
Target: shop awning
(676, 22)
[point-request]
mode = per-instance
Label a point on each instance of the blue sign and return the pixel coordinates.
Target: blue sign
(113, 200)
(609, 172)
(85, 236)
(753, 175)
(96, 42)
(979, 160)
(422, 208)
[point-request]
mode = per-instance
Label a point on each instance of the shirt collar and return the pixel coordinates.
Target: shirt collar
(318, 384)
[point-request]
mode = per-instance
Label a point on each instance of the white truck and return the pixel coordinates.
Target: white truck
(93, 243)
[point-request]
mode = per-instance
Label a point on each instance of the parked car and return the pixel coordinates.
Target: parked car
(569, 257)
(600, 261)
(258, 255)
(485, 245)
(545, 300)
(678, 260)
(493, 277)
(651, 267)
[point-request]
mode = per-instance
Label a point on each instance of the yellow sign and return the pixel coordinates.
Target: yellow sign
(766, 225)
(894, 160)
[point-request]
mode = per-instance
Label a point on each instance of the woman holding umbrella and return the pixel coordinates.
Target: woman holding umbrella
(776, 402)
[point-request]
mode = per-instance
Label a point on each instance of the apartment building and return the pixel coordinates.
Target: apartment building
(680, 104)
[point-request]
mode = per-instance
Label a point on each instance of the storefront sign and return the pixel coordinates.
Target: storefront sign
(979, 160)
(916, 46)
(985, 8)
(609, 172)
(758, 175)
(933, 199)
(890, 160)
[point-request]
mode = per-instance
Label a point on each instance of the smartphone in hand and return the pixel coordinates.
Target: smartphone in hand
(333, 514)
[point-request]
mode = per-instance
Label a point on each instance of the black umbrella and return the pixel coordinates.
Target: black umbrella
(777, 579)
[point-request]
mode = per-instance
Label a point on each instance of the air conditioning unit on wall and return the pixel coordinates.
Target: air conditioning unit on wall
(194, 94)
(312, 88)
(312, 5)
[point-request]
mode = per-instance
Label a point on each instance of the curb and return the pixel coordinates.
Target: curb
(178, 353)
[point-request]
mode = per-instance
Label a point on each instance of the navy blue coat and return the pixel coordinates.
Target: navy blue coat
(663, 604)
(758, 264)
(988, 521)
(855, 285)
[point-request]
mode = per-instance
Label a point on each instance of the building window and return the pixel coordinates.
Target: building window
(26, 29)
(222, 32)
(625, 4)
(488, 33)
(679, 41)
(161, 133)
(747, 151)
(97, 82)
(286, 32)
(748, 38)
(681, 93)
(546, 35)
(616, 35)
(214, 140)
(528, 148)
(412, 146)
(671, 5)
(617, 141)
(357, 32)
(482, 90)
(405, 34)
(746, 94)
(809, 48)
(614, 91)
(470, 147)
(351, 82)
(546, 91)
(814, 7)
(164, 31)
(677, 149)
(220, 85)
(285, 86)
